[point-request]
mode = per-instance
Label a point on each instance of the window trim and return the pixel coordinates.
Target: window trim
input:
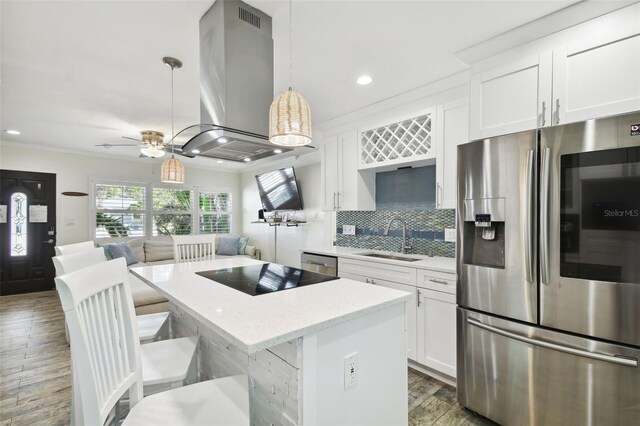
(149, 210)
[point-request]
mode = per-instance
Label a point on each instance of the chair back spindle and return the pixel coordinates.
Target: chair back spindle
(192, 248)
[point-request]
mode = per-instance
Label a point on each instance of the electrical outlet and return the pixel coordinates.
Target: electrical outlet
(450, 234)
(349, 229)
(351, 370)
(70, 222)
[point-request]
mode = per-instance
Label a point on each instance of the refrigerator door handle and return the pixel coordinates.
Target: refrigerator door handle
(629, 362)
(544, 216)
(529, 243)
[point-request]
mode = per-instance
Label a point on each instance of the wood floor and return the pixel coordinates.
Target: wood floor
(35, 371)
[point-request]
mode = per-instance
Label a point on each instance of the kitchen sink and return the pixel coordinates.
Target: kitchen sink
(389, 256)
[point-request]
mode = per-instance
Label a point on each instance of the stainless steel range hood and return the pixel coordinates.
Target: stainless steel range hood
(236, 86)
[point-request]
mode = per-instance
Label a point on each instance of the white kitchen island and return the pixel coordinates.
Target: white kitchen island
(294, 344)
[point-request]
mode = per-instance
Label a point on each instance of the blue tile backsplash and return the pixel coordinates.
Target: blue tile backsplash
(406, 189)
(425, 231)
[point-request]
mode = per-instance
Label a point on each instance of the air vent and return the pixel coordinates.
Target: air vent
(249, 17)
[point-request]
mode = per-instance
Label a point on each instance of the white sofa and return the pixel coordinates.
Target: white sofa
(146, 300)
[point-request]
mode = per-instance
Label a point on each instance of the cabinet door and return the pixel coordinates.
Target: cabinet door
(437, 331)
(597, 79)
(455, 131)
(330, 168)
(412, 344)
(511, 98)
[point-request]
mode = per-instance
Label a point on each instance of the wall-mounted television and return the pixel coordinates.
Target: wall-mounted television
(279, 190)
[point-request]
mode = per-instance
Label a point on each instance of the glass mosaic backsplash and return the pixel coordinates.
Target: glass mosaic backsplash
(425, 231)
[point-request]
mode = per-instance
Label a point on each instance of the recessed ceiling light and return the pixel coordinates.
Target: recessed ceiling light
(218, 161)
(223, 140)
(277, 151)
(247, 159)
(12, 132)
(195, 151)
(363, 80)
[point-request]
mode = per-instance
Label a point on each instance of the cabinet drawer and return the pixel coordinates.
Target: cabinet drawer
(373, 270)
(438, 281)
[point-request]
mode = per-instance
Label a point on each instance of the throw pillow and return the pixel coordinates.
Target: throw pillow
(228, 246)
(115, 251)
(242, 245)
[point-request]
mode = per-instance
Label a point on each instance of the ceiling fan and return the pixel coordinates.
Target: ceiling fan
(151, 144)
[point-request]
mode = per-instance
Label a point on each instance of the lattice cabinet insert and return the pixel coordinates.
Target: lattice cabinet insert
(404, 141)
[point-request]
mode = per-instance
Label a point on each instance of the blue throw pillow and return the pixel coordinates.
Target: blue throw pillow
(228, 246)
(242, 245)
(114, 251)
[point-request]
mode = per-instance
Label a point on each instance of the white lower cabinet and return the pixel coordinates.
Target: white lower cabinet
(437, 330)
(431, 311)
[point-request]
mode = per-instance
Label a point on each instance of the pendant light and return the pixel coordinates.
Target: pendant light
(290, 115)
(172, 168)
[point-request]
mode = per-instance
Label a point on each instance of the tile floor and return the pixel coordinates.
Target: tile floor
(35, 371)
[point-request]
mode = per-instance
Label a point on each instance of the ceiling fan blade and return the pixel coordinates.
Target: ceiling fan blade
(133, 139)
(111, 145)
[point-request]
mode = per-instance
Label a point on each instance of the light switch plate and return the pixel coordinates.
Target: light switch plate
(450, 234)
(349, 229)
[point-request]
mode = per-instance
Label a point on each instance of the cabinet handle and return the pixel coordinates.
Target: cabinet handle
(418, 290)
(544, 113)
(335, 206)
(557, 111)
(438, 202)
(439, 281)
(338, 194)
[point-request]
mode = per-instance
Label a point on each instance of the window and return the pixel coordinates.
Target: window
(172, 211)
(215, 212)
(120, 210)
(139, 209)
(18, 224)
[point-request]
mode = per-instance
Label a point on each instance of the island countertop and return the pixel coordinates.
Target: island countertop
(254, 323)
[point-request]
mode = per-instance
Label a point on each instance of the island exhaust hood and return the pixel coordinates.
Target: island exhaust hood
(236, 86)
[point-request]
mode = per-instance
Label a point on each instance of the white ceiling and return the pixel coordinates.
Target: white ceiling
(79, 73)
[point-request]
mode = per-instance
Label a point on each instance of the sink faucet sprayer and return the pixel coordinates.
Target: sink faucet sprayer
(405, 247)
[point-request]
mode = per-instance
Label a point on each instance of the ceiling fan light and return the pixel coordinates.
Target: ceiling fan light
(172, 171)
(152, 151)
(290, 120)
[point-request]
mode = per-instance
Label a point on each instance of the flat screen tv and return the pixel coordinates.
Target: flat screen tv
(279, 190)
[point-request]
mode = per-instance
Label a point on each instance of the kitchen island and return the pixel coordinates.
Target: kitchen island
(295, 345)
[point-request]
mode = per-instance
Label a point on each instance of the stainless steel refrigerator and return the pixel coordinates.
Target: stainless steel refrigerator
(548, 263)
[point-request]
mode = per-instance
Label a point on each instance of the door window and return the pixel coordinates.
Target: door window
(18, 224)
(600, 215)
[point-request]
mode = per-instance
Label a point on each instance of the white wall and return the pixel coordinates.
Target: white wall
(74, 172)
(315, 233)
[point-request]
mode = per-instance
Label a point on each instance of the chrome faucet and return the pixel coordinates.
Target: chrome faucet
(405, 247)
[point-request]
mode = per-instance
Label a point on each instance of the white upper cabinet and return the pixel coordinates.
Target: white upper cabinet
(588, 71)
(512, 97)
(453, 119)
(344, 187)
(409, 141)
(598, 78)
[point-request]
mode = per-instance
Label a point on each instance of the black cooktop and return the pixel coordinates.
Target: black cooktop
(266, 278)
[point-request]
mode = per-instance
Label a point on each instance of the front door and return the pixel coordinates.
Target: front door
(27, 231)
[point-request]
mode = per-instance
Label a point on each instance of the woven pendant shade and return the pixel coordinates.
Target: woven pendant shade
(290, 120)
(172, 171)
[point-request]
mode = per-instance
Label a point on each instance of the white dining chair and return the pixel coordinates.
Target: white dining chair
(191, 248)
(150, 326)
(99, 308)
(74, 248)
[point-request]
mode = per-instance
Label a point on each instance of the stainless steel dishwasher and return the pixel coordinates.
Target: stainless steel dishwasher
(327, 265)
